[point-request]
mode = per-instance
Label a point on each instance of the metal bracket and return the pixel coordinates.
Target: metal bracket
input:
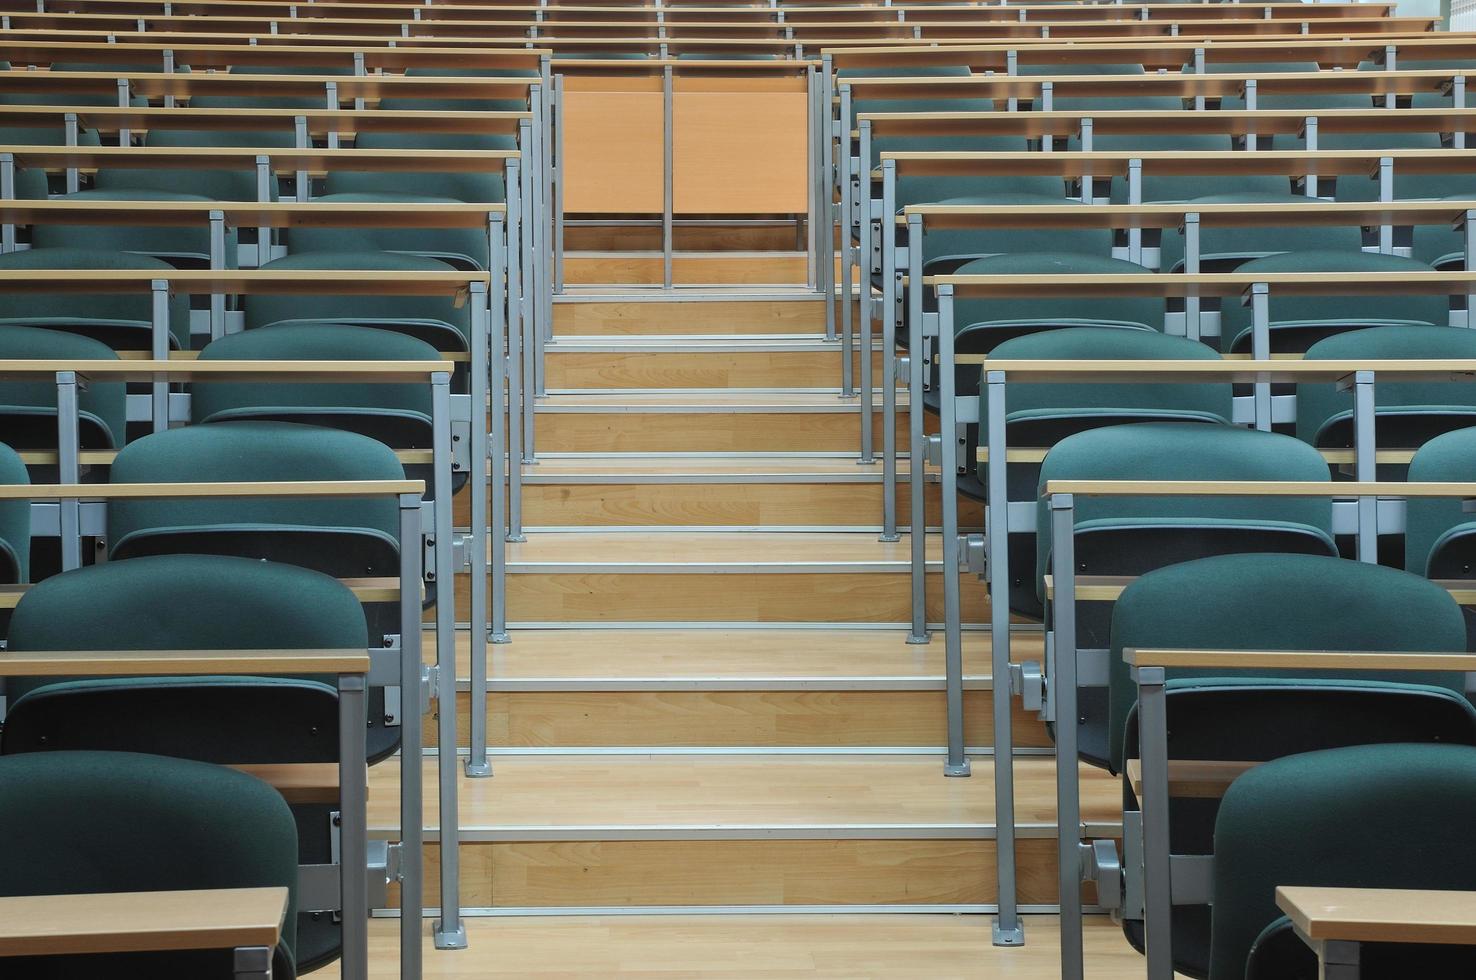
(930, 325)
(1027, 681)
(934, 450)
(427, 688)
(972, 554)
(460, 553)
(1101, 864)
(902, 370)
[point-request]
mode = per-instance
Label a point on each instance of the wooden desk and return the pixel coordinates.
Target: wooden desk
(282, 160)
(1380, 915)
(320, 122)
(127, 922)
(200, 56)
(272, 214)
(184, 85)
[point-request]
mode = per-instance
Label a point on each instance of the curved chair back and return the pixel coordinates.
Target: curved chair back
(1370, 816)
(1298, 322)
(123, 321)
(183, 246)
(1225, 248)
(484, 187)
(28, 408)
(88, 822)
(15, 521)
(461, 105)
(217, 185)
(947, 249)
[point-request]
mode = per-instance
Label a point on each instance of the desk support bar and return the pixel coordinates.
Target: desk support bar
(412, 820)
(1063, 686)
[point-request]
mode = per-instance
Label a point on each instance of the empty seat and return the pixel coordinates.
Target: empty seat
(1297, 322)
(217, 185)
(272, 101)
(400, 103)
(1368, 816)
(15, 521)
(1441, 246)
(181, 245)
(1126, 536)
(1161, 187)
(1277, 602)
(1439, 536)
(437, 320)
(1223, 248)
(100, 822)
(947, 249)
(28, 408)
(123, 321)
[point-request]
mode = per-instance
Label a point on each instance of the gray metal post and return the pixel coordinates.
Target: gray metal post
(303, 180)
(558, 175)
(493, 448)
(159, 348)
(1088, 193)
(813, 170)
(957, 762)
(1458, 101)
(218, 263)
(125, 135)
(848, 187)
(264, 178)
(667, 201)
(1468, 240)
(916, 439)
(1365, 462)
(519, 356)
(168, 69)
(69, 126)
(412, 817)
(825, 121)
(352, 832)
(1135, 197)
(1008, 929)
(891, 286)
(1063, 687)
(1193, 327)
(1158, 907)
(69, 469)
(251, 963)
(330, 99)
(1309, 142)
(449, 932)
(7, 193)
(476, 543)
(1386, 195)
(864, 276)
(359, 69)
(1260, 297)
(1252, 141)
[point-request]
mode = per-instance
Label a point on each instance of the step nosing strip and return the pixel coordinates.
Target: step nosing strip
(896, 566)
(740, 832)
(629, 685)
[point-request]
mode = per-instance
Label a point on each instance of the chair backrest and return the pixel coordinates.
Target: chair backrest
(945, 249)
(1376, 816)
(179, 245)
(29, 407)
(1439, 536)
(346, 538)
(272, 101)
(1223, 248)
(217, 185)
(1441, 246)
(31, 183)
(1156, 187)
(86, 822)
(461, 247)
(401, 103)
(1406, 412)
(437, 320)
(123, 321)
(1299, 321)
(15, 521)
(484, 187)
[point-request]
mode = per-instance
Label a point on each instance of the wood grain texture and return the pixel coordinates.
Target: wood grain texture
(1381, 915)
(773, 269)
(614, 161)
(715, 368)
(127, 922)
(721, 317)
(752, 432)
(740, 152)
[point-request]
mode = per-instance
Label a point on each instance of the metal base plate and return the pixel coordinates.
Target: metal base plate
(919, 639)
(478, 770)
(500, 637)
(516, 538)
(1009, 937)
(962, 769)
(889, 537)
(449, 940)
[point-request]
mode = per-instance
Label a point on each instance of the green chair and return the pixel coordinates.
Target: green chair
(1106, 103)
(15, 522)
(398, 415)
(192, 602)
(103, 822)
(123, 321)
(461, 105)
(1040, 415)
(1127, 536)
(187, 247)
(217, 185)
(1407, 413)
(437, 320)
(1439, 536)
(1367, 816)
(1441, 246)
(1407, 186)
(1159, 187)
(272, 101)
(31, 183)
(28, 408)
(79, 98)
(1223, 249)
(947, 249)
(1276, 602)
(1298, 322)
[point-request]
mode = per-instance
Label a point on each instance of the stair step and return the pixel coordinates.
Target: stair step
(734, 688)
(578, 831)
(635, 315)
(687, 268)
(587, 363)
(705, 422)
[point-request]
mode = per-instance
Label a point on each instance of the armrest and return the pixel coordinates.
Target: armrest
(1380, 915)
(1192, 778)
(1298, 660)
(135, 663)
(127, 922)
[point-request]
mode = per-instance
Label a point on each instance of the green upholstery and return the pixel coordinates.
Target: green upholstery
(1438, 533)
(28, 408)
(32, 183)
(945, 249)
(1407, 186)
(1157, 187)
(1299, 321)
(188, 243)
(462, 105)
(86, 822)
(396, 414)
(485, 187)
(1100, 103)
(435, 319)
(15, 521)
(79, 98)
(1005, 318)
(1406, 412)
(462, 247)
(1441, 246)
(1381, 816)
(1254, 69)
(1224, 248)
(122, 321)
(1304, 100)
(272, 101)
(1280, 602)
(218, 185)
(347, 538)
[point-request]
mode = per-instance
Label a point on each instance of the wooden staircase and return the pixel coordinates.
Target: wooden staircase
(709, 699)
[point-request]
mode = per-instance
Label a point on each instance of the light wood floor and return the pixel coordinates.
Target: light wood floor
(895, 947)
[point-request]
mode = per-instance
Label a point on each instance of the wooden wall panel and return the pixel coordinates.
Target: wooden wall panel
(740, 153)
(612, 148)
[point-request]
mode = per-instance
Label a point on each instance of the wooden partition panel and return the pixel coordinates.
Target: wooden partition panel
(739, 145)
(613, 159)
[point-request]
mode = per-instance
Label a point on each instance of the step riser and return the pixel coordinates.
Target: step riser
(571, 874)
(643, 270)
(752, 432)
(715, 505)
(624, 318)
(739, 597)
(703, 239)
(695, 369)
